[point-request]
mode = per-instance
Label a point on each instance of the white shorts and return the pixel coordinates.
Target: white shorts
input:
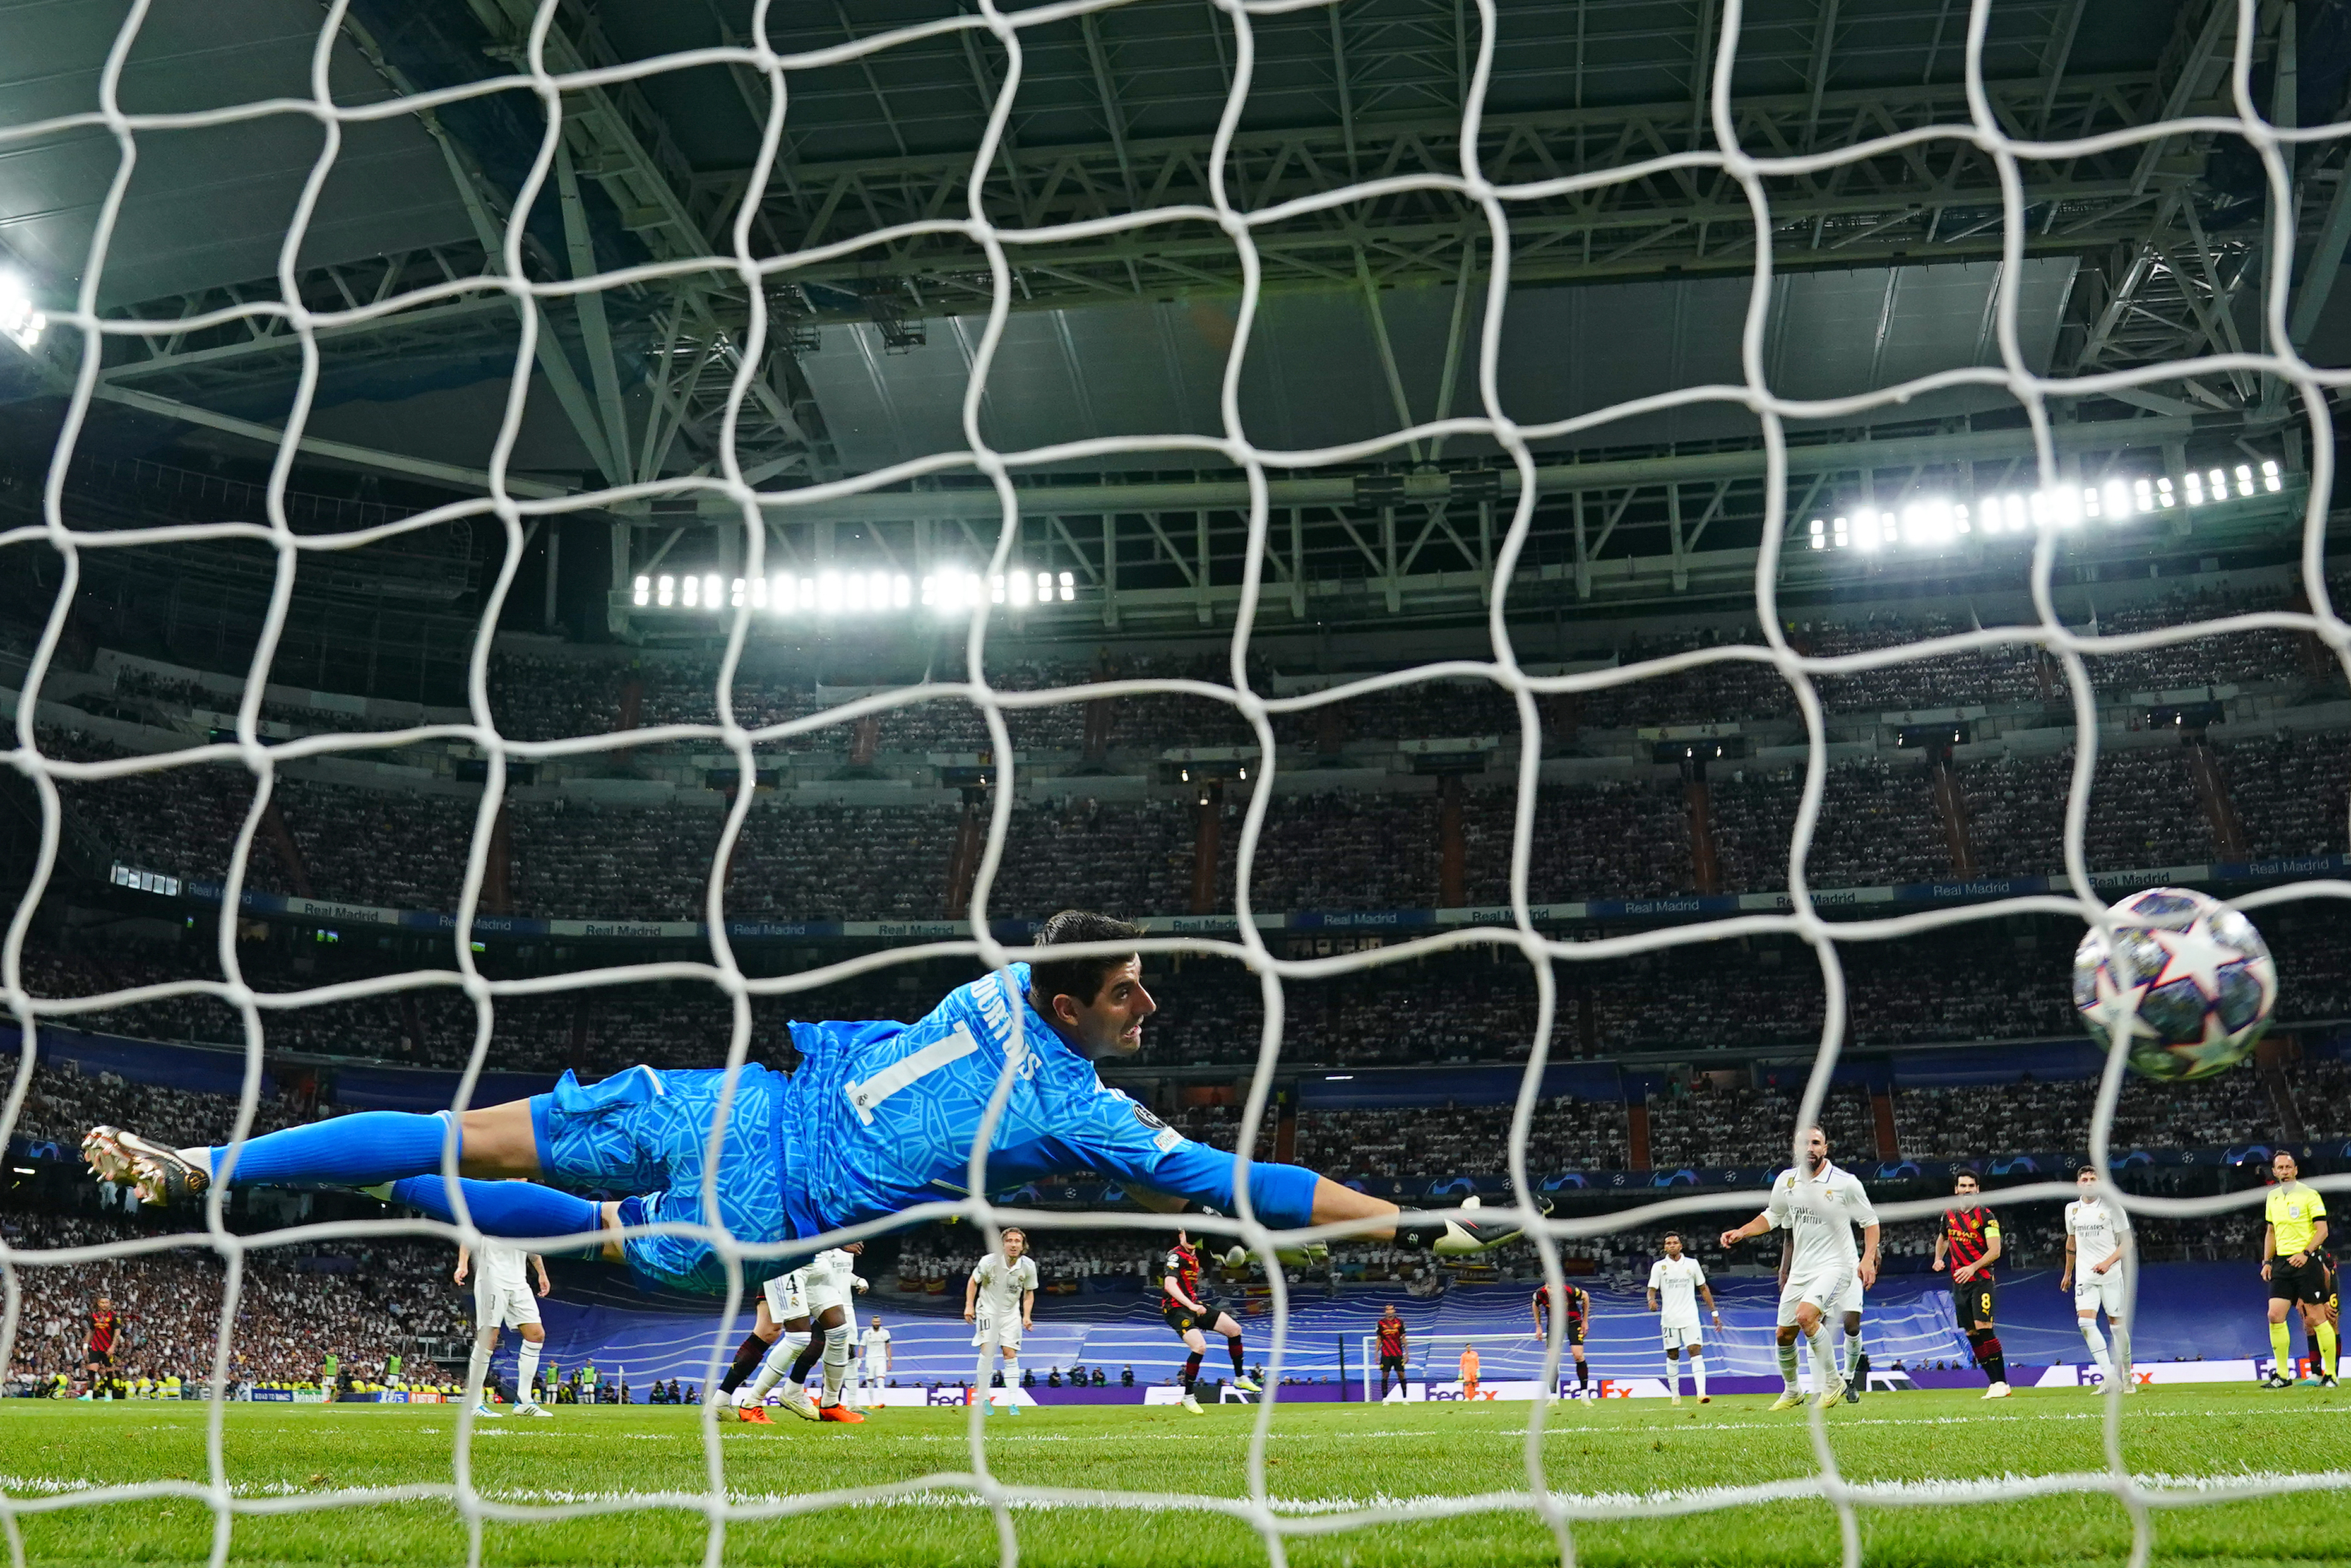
(1681, 1336)
(1823, 1289)
(1003, 1333)
(500, 1309)
(785, 1298)
(2106, 1291)
(822, 1298)
(1851, 1300)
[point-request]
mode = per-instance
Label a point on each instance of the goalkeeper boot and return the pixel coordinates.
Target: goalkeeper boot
(837, 1412)
(798, 1403)
(1788, 1400)
(1247, 1384)
(1465, 1237)
(158, 1174)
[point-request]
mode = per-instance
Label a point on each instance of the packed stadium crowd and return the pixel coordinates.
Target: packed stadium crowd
(1973, 983)
(296, 1305)
(572, 857)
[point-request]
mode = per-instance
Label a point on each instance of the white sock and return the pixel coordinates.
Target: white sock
(1011, 1377)
(1673, 1376)
(1788, 1380)
(836, 1363)
(1697, 1372)
(1824, 1363)
(775, 1364)
(201, 1156)
(2097, 1343)
(526, 1368)
(2122, 1356)
(477, 1372)
(1853, 1348)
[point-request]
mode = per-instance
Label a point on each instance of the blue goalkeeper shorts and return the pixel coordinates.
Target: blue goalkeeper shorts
(645, 1132)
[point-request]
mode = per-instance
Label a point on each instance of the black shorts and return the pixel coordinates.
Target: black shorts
(1575, 1330)
(1184, 1320)
(94, 1357)
(2305, 1284)
(1978, 1300)
(1391, 1363)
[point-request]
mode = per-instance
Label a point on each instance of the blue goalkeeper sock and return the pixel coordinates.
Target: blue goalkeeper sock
(346, 1151)
(504, 1208)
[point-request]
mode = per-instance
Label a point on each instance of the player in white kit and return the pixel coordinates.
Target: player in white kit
(998, 1302)
(1821, 1208)
(873, 1362)
(2097, 1256)
(1675, 1283)
(810, 1305)
(502, 1300)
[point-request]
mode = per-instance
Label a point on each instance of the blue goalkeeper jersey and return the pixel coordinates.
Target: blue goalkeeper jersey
(881, 1116)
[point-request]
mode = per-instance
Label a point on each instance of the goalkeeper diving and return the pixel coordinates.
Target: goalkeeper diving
(879, 1118)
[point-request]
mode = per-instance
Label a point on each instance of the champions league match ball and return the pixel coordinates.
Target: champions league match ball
(2189, 977)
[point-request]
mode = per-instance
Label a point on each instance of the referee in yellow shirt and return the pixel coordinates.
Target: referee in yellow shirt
(2290, 1262)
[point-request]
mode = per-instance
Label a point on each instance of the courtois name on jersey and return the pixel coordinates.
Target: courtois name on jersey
(881, 1116)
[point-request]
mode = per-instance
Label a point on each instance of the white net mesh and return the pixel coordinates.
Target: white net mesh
(513, 504)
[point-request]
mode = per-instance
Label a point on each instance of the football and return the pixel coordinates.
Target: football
(2187, 977)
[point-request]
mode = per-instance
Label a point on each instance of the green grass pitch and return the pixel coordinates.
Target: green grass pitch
(285, 1459)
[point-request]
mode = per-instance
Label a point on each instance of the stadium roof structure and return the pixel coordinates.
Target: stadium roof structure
(1885, 267)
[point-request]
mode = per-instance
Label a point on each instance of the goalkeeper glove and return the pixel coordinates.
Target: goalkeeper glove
(1463, 1238)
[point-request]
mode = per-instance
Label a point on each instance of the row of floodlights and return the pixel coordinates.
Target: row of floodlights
(854, 593)
(1935, 522)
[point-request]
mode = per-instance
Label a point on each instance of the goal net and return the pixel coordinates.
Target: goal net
(1728, 188)
(1457, 1366)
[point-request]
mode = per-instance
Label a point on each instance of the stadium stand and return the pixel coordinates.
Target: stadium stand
(296, 1304)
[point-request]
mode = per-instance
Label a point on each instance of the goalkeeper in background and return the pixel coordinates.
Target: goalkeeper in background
(879, 1118)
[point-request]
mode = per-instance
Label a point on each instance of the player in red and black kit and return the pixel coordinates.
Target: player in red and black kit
(1578, 1317)
(1186, 1309)
(1391, 1337)
(98, 1359)
(1971, 1240)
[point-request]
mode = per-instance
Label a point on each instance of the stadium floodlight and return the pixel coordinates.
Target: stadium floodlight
(668, 591)
(1019, 586)
(2117, 500)
(710, 590)
(2244, 479)
(1069, 587)
(20, 319)
(2217, 483)
(902, 593)
(2272, 480)
(2163, 492)
(692, 599)
(828, 592)
(644, 595)
(1844, 532)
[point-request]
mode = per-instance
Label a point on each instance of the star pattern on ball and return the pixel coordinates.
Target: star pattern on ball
(2196, 954)
(2118, 1008)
